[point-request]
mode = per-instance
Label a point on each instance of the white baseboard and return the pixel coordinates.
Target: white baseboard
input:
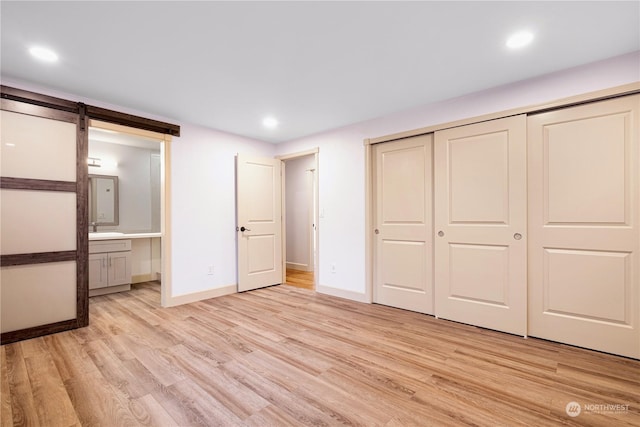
(109, 290)
(297, 266)
(202, 295)
(140, 278)
(341, 293)
(232, 289)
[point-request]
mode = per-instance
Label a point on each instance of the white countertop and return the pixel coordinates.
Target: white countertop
(112, 235)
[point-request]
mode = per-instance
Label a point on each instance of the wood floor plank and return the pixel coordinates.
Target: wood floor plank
(369, 403)
(176, 405)
(157, 416)
(23, 407)
(258, 342)
(349, 407)
(34, 347)
(204, 342)
(205, 405)
(300, 279)
(97, 403)
(49, 394)
(142, 309)
(69, 356)
(156, 361)
(115, 371)
(6, 412)
(284, 355)
(224, 389)
(285, 400)
(271, 416)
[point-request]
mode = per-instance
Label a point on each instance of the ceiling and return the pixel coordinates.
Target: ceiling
(312, 65)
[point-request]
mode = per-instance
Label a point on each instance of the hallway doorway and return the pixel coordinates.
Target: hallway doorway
(300, 219)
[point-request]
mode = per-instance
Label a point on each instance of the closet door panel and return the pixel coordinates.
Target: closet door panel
(471, 264)
(564, 268)
(583, 226)
(467, 175)
(480, 221)
(586, 159)
(403, 220)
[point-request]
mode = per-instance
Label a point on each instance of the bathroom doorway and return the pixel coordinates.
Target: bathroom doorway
(137, 159)
(300, 185)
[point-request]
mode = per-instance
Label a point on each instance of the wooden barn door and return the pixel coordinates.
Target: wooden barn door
(43, 234)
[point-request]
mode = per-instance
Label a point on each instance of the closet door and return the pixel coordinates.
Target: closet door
(403, 224)
(480, 221)
(584, 240)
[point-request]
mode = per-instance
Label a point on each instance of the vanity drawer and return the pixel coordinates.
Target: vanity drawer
(100, 246)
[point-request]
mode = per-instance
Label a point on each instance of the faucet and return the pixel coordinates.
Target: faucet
(95, 227)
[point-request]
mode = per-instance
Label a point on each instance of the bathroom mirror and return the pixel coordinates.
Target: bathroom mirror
(103, 200)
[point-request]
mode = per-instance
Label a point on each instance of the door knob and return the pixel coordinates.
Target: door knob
(441, 233)
(243, 229)
(517, 236)
(376, 231)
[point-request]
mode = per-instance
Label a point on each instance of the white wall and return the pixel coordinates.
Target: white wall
(341, 157)
(203, 206)
(156, 192)
(298, 195)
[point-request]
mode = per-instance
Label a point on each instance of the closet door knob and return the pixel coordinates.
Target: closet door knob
(517, 236)
(441, 233)
(243, 229)
(376, 231)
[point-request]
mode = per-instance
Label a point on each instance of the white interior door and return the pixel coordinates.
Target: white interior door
(403, 224)
(480, 220)
(259, 221)
(584, 245)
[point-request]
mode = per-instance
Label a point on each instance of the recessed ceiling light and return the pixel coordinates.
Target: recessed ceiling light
(43, 54)
(519, 39)
(270, 122)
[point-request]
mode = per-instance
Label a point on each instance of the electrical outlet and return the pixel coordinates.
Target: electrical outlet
(333, 268)
(210, 270)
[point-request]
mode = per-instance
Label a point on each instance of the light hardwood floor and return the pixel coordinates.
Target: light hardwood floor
(300, 279)
(286, 356)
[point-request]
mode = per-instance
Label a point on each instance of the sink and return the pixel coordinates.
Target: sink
(106, 234)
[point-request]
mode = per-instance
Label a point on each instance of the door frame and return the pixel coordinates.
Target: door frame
(316, 195)
(165, 199)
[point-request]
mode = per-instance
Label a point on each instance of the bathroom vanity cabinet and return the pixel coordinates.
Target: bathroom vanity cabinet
(109, 266)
